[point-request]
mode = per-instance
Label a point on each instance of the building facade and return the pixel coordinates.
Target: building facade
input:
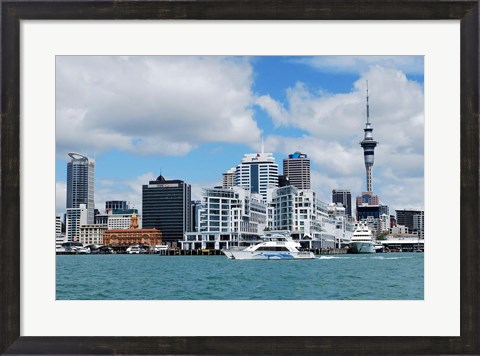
(257, 173)
(91, 234)
(297, 168)
(227, 217)
(121, 221)
(418, 224)
(166, 206)
(405, 217)
(75, 217)
(344, 197)
(314, 223)
(111, 205)
(228, 178)
(80, 184)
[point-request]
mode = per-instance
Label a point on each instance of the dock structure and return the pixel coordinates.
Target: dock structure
(206, 252)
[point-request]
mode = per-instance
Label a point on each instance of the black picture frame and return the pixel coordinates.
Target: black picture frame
(13, 12)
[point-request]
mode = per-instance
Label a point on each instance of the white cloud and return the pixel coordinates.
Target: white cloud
(152, 105)
(129, 190)
(361, 64)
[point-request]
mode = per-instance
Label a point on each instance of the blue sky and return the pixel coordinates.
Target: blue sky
(192, 118)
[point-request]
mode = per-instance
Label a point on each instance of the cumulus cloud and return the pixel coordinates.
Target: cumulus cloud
(361, 64)
(129, 190)
(152, 104)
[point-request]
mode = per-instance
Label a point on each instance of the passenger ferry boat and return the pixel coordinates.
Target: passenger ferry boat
(362, 240)
(272, 247)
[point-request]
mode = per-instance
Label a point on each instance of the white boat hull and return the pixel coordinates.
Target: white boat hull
(362, 247)
(267, 255)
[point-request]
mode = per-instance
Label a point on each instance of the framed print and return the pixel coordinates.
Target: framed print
(60, 57)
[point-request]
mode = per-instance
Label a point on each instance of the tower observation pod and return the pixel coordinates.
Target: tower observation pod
(368, 144)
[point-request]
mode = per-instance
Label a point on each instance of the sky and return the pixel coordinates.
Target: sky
(194, 117)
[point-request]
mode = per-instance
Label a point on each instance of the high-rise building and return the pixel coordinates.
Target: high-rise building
(115, 205)
(368, 144)
(75, 217)
(343, 196)
(283, 180)
(166, 206)
(405, 217)
(297, 168)
(228, 178)
(256, 173)
(80, 184)
(418, 224)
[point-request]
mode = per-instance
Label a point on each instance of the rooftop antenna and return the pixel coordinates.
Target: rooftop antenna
(368, 109)
(262, 145)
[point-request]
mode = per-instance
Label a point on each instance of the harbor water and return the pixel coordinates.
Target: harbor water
(382, 276)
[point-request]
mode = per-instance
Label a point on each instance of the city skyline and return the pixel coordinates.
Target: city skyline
(193, 118)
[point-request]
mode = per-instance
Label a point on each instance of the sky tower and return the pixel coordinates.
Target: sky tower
(368, 144)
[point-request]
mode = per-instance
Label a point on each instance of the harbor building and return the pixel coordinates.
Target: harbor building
(344, 197)
(314, 223)
(80, 184)
(121, 239)
(297, 168)
(226, 218)
(228, 178)
(257, 173)
(166, 207)
(75, 217)
(91, 234)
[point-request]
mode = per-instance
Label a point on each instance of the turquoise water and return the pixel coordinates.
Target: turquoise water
(388, 276)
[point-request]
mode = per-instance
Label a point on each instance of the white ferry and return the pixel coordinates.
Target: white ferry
(362, 240)
(135, 250)
(272, 247)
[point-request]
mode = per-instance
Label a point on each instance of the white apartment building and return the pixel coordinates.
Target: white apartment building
(314, 223)
(74, 218)
(257, 173)
(418, 224)
(91, 234)
(226, 218)
(58, 225)
(384, 223)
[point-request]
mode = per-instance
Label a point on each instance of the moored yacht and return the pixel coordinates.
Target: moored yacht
(362, 239)
(272, 247)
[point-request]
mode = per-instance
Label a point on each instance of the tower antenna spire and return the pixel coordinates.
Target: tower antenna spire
(368, 107)
(262, 148)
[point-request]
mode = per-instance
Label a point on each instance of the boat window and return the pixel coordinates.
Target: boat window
(272, 248)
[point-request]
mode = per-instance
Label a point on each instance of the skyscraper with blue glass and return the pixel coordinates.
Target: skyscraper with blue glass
(80, 184)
